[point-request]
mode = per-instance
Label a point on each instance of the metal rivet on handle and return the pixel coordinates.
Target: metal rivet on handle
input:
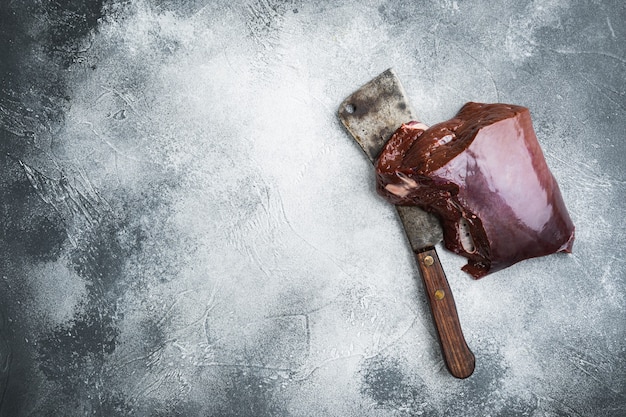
(428, 260)
(439, 294)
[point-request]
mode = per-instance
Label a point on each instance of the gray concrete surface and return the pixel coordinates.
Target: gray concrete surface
(187, 230)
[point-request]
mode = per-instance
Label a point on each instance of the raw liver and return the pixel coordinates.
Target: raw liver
(484, 174)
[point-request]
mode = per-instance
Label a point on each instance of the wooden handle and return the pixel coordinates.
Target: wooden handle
(459, 359)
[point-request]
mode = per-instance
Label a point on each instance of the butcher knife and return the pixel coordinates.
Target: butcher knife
(371, 115)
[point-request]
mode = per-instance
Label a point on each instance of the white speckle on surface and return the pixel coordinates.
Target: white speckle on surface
(58, 293)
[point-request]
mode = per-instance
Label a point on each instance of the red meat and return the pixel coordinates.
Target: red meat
(484, 175)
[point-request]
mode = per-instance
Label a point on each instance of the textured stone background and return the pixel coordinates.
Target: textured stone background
(186, 229)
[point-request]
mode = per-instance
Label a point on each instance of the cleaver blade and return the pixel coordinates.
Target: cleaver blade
(371, 115)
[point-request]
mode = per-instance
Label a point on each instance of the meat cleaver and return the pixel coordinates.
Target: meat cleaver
(371, 115)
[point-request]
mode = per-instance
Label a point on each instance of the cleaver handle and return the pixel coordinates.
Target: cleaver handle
(457, 355)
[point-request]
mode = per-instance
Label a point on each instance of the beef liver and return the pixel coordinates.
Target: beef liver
(483, 173)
